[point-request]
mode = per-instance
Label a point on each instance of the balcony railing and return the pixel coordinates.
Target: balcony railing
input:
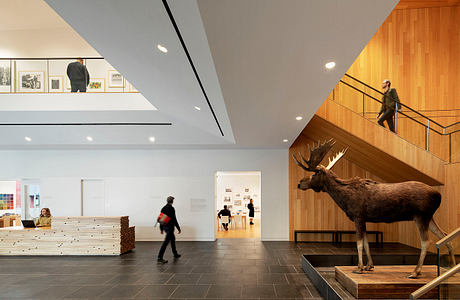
(415, 127)
(49, 75)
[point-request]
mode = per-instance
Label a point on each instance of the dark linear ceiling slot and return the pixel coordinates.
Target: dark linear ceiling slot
(179, 35)
(85, 124)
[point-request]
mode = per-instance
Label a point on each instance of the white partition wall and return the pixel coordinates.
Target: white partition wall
(137, 182)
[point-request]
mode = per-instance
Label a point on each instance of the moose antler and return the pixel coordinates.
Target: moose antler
(316, 156)
(336, 159)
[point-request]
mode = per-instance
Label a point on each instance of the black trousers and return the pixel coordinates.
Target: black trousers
(78, 86)
(170, 237)
(388, 116)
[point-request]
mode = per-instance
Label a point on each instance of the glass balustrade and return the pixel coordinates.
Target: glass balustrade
(36, 75)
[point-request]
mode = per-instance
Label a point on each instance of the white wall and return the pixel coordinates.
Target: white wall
(137, 183)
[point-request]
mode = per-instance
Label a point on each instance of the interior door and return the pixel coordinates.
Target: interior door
(93, 197)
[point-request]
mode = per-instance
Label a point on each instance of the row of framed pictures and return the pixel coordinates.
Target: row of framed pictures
(34, 82)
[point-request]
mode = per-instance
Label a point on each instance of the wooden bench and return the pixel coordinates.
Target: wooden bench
(332, 232)
(337, 234)
(378, 235)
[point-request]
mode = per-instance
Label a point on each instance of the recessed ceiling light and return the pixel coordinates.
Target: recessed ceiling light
(330, 65)
(285, 141)
(27, 138)
(298, 118)
(152, 139)
(197, 108)
(89, 138)
(162, 48)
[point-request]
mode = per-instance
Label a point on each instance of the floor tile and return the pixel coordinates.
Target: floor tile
(190, 291)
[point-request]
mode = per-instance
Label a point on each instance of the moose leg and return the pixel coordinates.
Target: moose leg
(422, 226)
(434, 227)
(370, 263)
(360, 233)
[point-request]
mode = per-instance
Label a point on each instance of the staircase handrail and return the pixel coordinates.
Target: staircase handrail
(402, 104)
(448, 238)
(434, 283)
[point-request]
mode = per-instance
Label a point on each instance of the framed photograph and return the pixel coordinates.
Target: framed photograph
(56, 84)
(228, 190)
(227, 199)
(246, 190)
(31, 81)
(96, 85)
(116, 80)
(237, 203)
(237, 196)
(5, 76)
(246, 197)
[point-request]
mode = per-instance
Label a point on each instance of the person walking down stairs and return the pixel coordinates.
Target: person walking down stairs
(390, 102)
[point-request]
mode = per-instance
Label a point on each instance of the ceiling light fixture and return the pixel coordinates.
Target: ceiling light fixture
(152, 139)
(162, 48)
(285, 141)
(330, 65)
(197, 108)
(89, 138)
(27, 138)
(298, 118)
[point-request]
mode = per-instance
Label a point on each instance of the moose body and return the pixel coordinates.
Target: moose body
(365, 200)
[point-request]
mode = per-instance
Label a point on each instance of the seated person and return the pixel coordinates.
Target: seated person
(225, 212)
(45, 218)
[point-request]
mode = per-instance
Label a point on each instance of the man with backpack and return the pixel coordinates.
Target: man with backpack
(168, 221)
(390, 102)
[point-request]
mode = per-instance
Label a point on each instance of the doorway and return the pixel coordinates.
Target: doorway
(235, 190)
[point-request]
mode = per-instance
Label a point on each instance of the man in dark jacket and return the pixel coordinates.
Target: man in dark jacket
(78, 75)
(169, 210)
(227, 213)
(390, 102)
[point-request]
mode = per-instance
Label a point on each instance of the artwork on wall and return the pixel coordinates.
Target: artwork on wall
(229, 207)
(5, 76)
(246, 197)
(31, 82)
(116, 80)
(56, 84)
(227, 199)
(96, 85)
(237, 196)
(246, 190)
(237, 203)
(6, 201)
(228, 190)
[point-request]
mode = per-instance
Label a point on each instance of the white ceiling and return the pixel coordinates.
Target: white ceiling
(261, 63)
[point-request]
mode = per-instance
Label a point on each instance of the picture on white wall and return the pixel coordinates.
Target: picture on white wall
(56, 84)
(228, 190)
(237, 196)
(246, 190)
(31, 81)
(116, 80)
(246, 197)
(227, 199)
(96, 85)
(237, 202)
(5, 76)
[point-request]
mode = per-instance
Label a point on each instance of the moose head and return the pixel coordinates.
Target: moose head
(317, 181)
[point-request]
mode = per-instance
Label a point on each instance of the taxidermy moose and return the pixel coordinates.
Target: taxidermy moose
(365, 200)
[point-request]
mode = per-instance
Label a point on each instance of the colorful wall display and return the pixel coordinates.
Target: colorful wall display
(6, 201)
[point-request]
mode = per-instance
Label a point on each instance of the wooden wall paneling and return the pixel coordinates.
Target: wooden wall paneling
(419, 51)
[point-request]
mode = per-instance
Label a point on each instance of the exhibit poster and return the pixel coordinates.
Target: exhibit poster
(31, 81)
(56, 84)
(5, 76)
(96, 85)
(116, 80)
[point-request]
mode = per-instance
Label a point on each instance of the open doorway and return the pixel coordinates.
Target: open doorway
(235, 190)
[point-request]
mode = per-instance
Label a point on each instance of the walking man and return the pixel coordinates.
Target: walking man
(389, 101)
(78, 75)
(168, 228)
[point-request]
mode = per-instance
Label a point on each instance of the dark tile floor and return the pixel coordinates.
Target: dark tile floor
(230, 269)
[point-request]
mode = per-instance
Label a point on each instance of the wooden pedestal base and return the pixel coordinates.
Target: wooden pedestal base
(387, 282)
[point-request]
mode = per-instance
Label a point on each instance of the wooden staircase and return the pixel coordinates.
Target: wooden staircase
(374, 148)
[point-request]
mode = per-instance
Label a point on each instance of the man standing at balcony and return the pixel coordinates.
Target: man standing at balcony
(390, 102)
(78, 75)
